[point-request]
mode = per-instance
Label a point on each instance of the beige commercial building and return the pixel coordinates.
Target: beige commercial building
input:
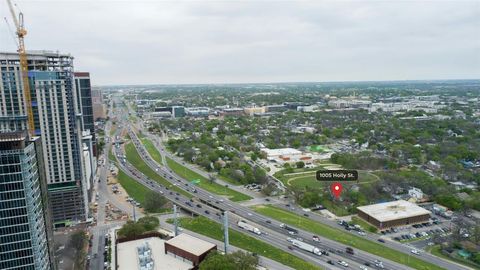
(393, 214)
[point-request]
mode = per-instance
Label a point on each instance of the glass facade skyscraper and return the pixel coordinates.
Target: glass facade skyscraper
(57, 121)
(24, 219)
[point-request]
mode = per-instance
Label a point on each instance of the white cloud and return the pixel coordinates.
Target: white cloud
(257, 41)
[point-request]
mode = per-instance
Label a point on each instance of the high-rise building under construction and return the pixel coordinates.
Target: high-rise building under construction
(57, 122)
(25, 221)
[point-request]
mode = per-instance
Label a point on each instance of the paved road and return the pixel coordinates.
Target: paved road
(279, 235)
(255, 218)
(373, 237)
(272, 237)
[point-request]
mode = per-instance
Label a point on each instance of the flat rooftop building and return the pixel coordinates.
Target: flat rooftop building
(189, 249)
(392, 214)
(128, 256)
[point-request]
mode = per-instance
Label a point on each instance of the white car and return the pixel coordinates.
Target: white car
(414, 251)
(343, 263)
(363, 267)
(362, 233)
(249, 214)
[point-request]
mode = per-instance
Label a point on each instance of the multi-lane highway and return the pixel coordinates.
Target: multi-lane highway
(372, 237)
(273, 234)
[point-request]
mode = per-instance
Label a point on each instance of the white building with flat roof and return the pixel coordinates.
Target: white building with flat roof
(392, 214)
(128, 258)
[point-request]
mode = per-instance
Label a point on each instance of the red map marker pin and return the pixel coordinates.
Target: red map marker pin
(336, 189)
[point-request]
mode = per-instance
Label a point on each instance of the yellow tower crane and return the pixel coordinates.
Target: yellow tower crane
(21, 33)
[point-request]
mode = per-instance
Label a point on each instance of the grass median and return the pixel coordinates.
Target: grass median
(134, 158)
(214, 230)
(204, 183)
(134, 189)
(344, 237)
(152, 150)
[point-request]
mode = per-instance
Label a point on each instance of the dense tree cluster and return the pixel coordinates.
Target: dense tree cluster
(238, 260)
(154, 202)
(143, 225)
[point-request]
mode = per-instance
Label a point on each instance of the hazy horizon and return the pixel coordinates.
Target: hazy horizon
(204, 42)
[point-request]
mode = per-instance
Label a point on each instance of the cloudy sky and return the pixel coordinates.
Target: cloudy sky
(147, 42)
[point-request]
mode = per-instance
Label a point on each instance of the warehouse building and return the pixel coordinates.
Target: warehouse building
(189, 249)
(393, 214)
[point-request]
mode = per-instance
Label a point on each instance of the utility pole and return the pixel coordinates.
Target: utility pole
(175, 219)
(134, 217)
(225, 231)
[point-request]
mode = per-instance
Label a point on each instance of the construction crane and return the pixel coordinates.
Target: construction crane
(21, 33)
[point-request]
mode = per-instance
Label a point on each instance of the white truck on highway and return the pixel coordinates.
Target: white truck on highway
(305, 246)
(242, 224)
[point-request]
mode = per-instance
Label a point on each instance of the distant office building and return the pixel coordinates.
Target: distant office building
(275, 108)
(158, 115)
(25, 229)
(173, 111)
(99, 108)
(232, 112)
(197, 111)
(178, 111)
(254, 110)
(349, 102)
(163, 109)
(294, 105)
(58, 122)
(309, 108)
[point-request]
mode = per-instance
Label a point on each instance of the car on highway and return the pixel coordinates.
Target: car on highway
(414, 251)
(363, 267)
(268, 221)
(381, 240)
(378, 264)
(250, 214)
(290, 247)
(316, 238)
(330, 262)
(207, 212)
(199, 205)
(343, 263)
